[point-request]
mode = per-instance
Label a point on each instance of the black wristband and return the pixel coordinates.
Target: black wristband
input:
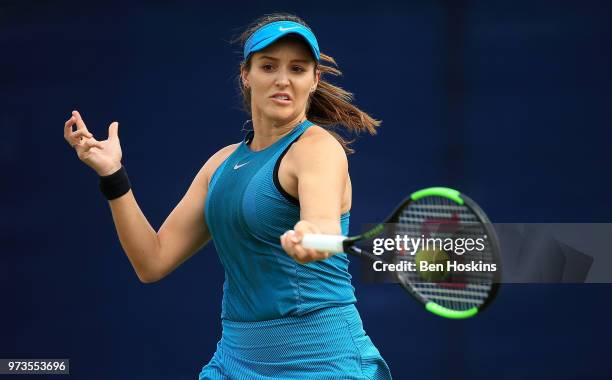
(115, 185)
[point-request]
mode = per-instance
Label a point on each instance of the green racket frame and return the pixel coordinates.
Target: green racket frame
(461, 199)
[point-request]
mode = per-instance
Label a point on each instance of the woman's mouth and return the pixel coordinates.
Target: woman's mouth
(281, 98)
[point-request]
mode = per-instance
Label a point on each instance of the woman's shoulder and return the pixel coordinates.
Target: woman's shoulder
(318, 141)
(225, 152)
(316, 132)
(314, 150)
(213, 163)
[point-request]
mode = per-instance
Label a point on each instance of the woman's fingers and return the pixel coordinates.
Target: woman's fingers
(81, 133)
(291, 243)
(301, 255)
(68, 129)
(288, 245)
(68, 124)
(297, 236)
(311, 254)
(87, 145)
(113, 131)
(79, 120)
(285, 242)
(90, 143)
(74, 137)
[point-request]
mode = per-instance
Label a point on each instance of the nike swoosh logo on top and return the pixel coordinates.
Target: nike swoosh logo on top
(285, 29)
(236, 166)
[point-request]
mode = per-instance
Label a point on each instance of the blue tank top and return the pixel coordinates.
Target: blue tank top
(247, 211)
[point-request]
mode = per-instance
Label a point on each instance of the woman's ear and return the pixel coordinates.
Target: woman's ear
(244, 77)
(316, 82)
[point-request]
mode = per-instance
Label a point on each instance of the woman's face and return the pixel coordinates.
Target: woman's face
(281, 79)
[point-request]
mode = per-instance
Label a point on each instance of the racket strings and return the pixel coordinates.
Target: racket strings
(440, 219)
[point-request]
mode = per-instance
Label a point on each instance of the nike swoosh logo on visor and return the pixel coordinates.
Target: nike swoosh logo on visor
(236, 166)
(285, 29)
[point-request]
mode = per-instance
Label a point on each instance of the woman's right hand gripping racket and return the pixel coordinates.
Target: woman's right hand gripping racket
(446, 222)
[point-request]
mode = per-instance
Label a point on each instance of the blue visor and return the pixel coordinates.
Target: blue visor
(271, 32)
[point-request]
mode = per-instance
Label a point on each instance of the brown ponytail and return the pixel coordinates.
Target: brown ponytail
(329, 106)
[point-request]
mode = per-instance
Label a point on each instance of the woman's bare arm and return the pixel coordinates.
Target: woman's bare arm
(183, 233)
(155, 254)
(152, 254)
(321, 167)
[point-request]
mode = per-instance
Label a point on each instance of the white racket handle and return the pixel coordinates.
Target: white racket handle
(326, 243)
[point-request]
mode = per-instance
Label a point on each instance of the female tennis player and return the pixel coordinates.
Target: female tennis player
(287, 312)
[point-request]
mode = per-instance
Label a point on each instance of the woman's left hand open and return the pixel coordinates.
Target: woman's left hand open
(291, 241)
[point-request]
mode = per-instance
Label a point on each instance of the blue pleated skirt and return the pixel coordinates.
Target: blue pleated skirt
(328, 343)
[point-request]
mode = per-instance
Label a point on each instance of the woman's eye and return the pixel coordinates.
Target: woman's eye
(267, 67)
(298, 68)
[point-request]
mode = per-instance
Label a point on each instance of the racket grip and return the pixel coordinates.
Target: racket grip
(326, 243)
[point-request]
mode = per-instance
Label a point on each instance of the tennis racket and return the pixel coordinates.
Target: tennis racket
(435, 215)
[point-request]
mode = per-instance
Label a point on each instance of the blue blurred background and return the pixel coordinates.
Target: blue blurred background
(508, 101)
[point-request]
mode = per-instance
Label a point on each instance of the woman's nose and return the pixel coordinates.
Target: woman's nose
(282, 79)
